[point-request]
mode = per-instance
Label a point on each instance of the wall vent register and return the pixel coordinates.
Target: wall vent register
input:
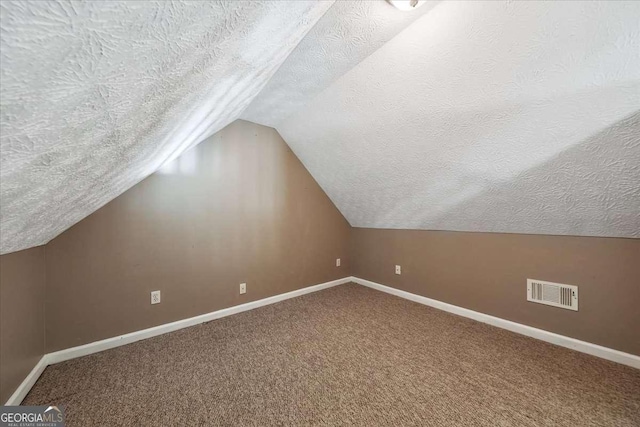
(554, 294)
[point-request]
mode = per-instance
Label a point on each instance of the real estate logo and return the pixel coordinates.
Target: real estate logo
(32, 416)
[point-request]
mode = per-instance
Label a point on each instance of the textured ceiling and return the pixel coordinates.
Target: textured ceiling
(481, 116)
(349, 32)
(518, 117)
(95, 96)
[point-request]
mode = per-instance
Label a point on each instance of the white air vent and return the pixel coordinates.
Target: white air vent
(555, 294)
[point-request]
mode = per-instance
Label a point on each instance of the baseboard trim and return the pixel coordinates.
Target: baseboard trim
(561, 340)
(106, 344)
(24, 388)
(98, 346)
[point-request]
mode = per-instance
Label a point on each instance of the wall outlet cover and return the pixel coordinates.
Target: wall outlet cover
(155, 297)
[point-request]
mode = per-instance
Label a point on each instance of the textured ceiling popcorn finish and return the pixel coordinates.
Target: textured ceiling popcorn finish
(348, 33)
(519, 117)
(491, 116)
(95, 96)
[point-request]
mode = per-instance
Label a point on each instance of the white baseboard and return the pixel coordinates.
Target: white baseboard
(97, 346)
(24, 388)
(561, 340)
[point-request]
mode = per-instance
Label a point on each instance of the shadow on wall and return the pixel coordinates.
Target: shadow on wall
(239, 208)
(588, 177)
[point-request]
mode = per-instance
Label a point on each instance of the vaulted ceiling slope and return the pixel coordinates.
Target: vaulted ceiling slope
(480, 116)
(519, 117)
(95, 96)
(348, 33)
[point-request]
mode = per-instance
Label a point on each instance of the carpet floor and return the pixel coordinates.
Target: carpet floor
(347, 355)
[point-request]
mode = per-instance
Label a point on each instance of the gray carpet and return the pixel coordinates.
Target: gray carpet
(347, 355)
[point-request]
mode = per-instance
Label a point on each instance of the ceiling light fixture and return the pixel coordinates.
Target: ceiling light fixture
(406, 4)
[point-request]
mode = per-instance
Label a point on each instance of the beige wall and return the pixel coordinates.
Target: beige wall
(240, 207)
(487, 272)
(22, 292)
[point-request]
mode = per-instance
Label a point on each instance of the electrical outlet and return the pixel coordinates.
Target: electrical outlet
(337, 262)
(155, 297)
(243, 288)
(398, 269)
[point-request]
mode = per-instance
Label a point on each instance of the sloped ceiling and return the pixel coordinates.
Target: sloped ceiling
(481, 116)
(519, 117)
(95, 96)
(348, 33)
